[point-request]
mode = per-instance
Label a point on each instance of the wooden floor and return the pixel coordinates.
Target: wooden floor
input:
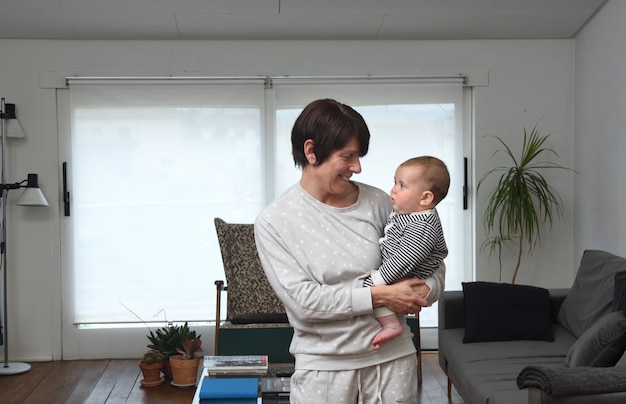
(117, 381)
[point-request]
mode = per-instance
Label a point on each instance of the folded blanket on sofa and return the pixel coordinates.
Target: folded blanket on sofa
(573, 381)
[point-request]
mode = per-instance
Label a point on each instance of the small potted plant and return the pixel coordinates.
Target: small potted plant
(167, 340)
(185, 366)
(151, 365)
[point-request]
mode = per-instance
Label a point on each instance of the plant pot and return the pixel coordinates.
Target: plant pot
(184, 371)
(167, 369)
(151, 374)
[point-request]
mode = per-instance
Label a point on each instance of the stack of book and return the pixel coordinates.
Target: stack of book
(274, 390)
(241, 379)
(236, 366)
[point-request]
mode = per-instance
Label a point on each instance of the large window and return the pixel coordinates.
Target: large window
(405, 120)
(151, 165)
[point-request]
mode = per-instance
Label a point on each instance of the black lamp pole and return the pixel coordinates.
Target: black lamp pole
(9, 368)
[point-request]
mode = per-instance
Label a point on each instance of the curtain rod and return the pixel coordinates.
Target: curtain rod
(269, 80)
(455, 78)
(160, 79)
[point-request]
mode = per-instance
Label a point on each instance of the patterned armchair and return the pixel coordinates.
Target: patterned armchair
(256, 322)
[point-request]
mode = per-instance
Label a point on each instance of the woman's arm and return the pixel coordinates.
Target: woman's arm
(436, 284)
(412, 294)
(401, 297)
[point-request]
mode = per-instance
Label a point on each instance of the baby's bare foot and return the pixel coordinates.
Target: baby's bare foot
(385, 335)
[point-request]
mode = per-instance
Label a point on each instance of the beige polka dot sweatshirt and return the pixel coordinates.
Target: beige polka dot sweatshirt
(316, 258)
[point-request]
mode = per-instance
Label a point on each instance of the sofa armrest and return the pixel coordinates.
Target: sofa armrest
(536, 396)
(451, 311)
(557, 297)
(576, 381)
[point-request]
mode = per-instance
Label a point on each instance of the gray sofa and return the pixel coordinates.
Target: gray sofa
(508, 344)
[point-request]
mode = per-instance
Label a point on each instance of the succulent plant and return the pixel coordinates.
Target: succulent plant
(191, 345)
(152, 356)
(169, 340)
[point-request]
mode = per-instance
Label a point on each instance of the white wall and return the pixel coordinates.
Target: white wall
(527, 80)
(600, 141)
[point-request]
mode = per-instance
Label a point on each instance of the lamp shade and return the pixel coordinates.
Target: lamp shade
(32, 195)
(13, 126)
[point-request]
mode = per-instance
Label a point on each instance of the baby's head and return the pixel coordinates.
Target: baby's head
(434, 173)
(420, 183)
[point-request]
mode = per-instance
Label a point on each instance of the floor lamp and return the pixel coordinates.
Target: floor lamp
(32, 196)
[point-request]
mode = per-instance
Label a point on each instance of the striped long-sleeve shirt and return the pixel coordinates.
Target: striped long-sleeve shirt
(413, 246)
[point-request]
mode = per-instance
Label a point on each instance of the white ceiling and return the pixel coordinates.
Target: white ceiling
(294, 19)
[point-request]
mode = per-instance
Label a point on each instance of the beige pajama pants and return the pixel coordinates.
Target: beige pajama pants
(390, 382)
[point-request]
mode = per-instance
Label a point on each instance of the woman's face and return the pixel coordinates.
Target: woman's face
(331, 179)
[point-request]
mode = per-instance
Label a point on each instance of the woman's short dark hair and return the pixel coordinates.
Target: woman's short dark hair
(331, 125)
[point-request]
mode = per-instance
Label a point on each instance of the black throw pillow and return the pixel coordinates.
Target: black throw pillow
(619, 294)
(505, 312)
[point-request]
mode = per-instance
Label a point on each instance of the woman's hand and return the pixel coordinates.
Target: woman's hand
(404, 297)
(422, 289)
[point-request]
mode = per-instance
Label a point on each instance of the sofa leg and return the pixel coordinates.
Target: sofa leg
(449, 388)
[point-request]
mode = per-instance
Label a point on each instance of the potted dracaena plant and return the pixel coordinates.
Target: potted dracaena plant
(522, 201)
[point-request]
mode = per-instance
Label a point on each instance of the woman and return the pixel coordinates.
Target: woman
(317, 243)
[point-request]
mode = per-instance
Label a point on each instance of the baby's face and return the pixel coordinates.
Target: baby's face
(409, 190)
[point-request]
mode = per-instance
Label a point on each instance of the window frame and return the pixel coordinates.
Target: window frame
(89, 349)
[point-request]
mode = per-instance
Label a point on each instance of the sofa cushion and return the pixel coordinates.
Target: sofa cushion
(591, 295)
(619, 296)
(263, 318)
(505, 312)
(602, 344)
(486, 372)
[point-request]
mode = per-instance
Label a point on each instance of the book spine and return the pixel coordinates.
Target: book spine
(275, 400)
(218, 375)
(273, 394)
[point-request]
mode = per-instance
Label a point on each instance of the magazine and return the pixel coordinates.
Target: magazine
(236, 365)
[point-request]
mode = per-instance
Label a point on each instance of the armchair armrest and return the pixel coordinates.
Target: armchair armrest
(219, 285)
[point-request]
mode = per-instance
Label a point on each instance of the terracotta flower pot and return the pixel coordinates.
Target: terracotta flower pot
(151, 374)
(184, 371)
(167, 370)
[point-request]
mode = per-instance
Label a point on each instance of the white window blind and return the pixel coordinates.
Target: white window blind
(406, 118)
(152, 165)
